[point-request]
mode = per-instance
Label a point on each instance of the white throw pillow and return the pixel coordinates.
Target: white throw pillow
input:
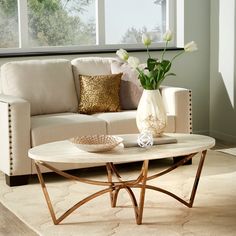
(130, 88)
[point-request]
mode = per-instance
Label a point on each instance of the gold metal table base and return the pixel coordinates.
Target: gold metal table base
(113, 187)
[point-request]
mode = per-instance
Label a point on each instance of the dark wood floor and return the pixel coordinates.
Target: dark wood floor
(13, 226)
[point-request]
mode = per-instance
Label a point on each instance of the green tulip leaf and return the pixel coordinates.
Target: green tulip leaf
(166, 65)
(170, 74)
(151, 63)
(156, 70)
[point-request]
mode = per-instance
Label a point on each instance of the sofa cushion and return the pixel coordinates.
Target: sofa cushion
(130, 88)
(47, 84)
(119, 122)
(90, 66)
(50, 128)
(99, 93)
(124, 122)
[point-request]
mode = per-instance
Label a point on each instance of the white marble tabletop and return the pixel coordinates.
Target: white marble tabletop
(66, 152)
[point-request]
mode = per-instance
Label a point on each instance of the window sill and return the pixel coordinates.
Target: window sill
(74, 52)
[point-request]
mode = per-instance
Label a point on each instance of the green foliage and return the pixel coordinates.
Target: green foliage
(8, 7)
(151, 63)
(8, 23)
(133, 35)
(51, 23)
(57, 23)
(155, 72)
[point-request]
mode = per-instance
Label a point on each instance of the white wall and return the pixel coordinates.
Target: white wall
(192, 69)
(223, 70)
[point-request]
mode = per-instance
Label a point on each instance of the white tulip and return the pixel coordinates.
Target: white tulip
(146, 39)
(122, 54)
(190, 47)
(167, 36)
(133, 62)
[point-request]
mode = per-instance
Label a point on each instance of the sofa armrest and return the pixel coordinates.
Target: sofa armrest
(178, 102)
(14, 135)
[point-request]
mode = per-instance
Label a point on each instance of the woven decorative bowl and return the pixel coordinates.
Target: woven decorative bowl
(96, 143)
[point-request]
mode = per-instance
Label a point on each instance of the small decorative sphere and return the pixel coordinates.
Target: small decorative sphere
(145, 139)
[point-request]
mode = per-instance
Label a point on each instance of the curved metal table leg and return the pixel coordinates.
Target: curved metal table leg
(113, 187)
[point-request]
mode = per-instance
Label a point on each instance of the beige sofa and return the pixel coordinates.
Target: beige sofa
(39, 103)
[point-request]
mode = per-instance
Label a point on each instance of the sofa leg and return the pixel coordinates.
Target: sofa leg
(16, 180)
(177, 159)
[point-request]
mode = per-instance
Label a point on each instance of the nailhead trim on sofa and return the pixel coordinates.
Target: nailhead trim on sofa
(10, 138)
(190, 112)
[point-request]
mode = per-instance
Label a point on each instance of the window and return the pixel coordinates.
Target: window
(129, 28)
(61, 23)
(8, 24)
(82, 25)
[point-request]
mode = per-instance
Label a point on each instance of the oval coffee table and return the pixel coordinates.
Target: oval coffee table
(188, 145)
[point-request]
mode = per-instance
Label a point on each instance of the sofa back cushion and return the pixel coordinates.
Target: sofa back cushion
(91, 66)
(47, 84)
(130, 88)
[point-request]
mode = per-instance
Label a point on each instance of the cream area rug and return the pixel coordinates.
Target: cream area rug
(213, 213)
(231, 151)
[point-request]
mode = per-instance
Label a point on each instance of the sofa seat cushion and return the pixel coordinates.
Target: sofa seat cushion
(55, 127)
(48, 85)
(124, 122)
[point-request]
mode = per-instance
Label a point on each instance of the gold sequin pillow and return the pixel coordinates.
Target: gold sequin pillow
(99, 93)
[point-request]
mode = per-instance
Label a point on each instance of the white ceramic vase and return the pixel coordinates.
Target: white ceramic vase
(151, 114)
